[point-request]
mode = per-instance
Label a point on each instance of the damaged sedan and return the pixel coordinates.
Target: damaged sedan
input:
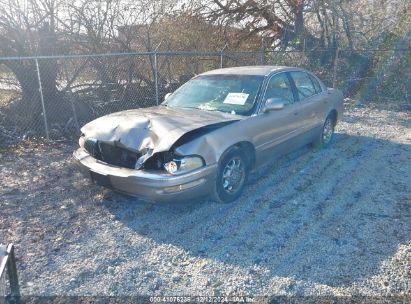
(208, 135)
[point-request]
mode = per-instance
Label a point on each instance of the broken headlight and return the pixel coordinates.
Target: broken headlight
(183, 164)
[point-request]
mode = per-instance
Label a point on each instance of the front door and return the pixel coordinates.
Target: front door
(277, 127)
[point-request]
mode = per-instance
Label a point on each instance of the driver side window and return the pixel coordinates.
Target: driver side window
(279, 87)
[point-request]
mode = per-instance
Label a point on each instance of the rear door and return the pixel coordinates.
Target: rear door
(310, 100)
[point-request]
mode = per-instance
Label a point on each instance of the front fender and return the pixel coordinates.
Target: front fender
(212, 145)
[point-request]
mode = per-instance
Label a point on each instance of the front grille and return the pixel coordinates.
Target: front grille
(111, 154)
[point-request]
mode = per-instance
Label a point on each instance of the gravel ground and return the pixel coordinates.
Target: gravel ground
(333, 222)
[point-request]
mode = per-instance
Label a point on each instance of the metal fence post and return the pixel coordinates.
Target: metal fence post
(156, 71)
(156, 75)
(221, 55)
(73, 108)
(262, 58)
(12, 270)
(42, 100)
(337, 51)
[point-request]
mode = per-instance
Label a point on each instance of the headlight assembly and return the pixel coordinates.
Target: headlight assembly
(81, 141)
(184, 164)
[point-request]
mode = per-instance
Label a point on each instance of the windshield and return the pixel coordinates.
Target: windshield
(235, 94)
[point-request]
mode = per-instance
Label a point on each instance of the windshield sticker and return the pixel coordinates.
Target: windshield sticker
(236, 98)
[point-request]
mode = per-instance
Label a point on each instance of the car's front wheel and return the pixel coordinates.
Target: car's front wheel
(327, 133)
(231, 176)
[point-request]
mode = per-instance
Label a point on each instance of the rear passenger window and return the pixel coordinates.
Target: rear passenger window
(304, 85)
(316, 84)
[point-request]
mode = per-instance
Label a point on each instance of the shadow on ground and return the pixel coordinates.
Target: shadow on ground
(328, 217)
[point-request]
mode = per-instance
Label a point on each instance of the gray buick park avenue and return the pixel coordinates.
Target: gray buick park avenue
(208, 135)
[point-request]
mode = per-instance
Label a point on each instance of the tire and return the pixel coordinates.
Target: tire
(327, 133)
(231, 176)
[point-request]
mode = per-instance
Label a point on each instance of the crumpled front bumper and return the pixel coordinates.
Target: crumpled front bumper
(145, 184)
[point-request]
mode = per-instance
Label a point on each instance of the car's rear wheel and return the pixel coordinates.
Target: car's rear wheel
(327, 133)
(231, 176)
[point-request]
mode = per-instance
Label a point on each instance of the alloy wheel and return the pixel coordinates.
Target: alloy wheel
(233, 175)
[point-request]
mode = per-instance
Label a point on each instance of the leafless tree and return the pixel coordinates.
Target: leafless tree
(280, 21)
(26, 31)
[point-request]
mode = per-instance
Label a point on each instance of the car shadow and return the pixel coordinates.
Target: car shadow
(329, 217)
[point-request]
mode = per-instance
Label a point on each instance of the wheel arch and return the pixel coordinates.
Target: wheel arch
(334, 114)
(247, 148)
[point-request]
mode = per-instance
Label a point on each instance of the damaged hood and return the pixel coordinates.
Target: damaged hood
(154, 129)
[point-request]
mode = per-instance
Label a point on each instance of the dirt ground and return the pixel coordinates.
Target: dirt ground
(335, 222)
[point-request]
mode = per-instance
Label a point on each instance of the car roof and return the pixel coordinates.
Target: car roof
(261, 70)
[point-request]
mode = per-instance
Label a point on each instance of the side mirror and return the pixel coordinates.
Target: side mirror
(167, 96)
(274, 104)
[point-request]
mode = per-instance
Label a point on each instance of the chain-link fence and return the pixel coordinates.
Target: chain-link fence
(53, 96)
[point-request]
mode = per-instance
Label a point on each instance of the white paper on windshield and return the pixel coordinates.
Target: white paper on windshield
(236, 98)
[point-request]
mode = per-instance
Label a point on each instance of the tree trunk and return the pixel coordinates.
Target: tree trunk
(48, 76)
(26, 74)
(321, 22)
(299, 22)
(48, 67)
